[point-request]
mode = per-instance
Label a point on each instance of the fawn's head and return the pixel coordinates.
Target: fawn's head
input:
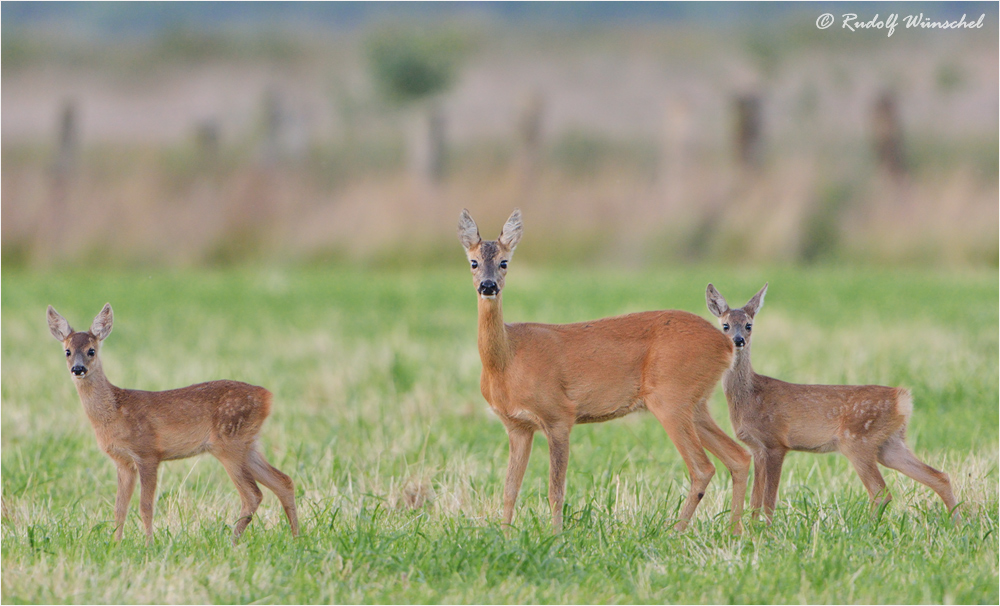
(736, 323)
(488, 258)
(81, 347)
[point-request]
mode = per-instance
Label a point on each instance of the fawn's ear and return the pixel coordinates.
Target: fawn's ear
(101, 327)
(510, 235)
(58, 325)
(468, 232)
(716, 302)
(755, 302)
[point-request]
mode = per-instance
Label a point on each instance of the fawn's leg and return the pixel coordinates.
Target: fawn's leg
(759, 481)
(278, 483)
(774, 458)
(126, 486)
(520, 438)
(897, 455)
(240, 473)
(865, 463)
(147, 494)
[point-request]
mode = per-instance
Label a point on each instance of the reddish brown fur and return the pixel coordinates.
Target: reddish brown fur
(866, 423)
(139, 429)
(549, 377)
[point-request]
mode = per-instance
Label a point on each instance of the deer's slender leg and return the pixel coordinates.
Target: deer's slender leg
(774, 458)
(126, 486)
(278, 483)
(147, 494)
(897, 455)
(520, 438)
(865, 463)
(679, 424)
(736, 460)
(238, 468)
(759, 481)
(558, 438)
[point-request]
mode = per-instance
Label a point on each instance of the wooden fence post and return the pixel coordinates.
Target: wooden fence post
(887, 135)
(748, 130)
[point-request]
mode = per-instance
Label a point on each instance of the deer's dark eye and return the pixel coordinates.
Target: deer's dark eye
(748, 327)
(474, 263)
(67, 353)
(503, 264)
(91, 352)
(725, 327)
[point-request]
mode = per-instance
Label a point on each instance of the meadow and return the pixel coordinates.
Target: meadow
(398, 462)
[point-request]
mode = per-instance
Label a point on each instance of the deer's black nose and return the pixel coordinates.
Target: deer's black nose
(79, 370)
(488, 288)
(739, 342)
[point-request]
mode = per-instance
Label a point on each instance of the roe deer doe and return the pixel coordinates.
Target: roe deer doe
(549, 377)
(866, 423)
(139, 429)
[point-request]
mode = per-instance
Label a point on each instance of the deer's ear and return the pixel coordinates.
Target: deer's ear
(510, 235)
(468, 232)
(716, 302)
(58, 325)
(755, 302)
(101, 327)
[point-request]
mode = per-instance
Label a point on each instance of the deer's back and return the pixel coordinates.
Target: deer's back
(605, 367)
(177, 423)
(815, 417)
(671, 328)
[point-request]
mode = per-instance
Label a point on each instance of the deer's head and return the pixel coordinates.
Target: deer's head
(81, 347)
(488, 259)
(736, 323)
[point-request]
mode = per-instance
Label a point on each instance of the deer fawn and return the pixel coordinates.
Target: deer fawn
(867, 423)
(549, 377)
(139, 429)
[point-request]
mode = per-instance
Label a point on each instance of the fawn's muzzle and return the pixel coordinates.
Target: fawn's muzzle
(79, 370)
(739, 342)
(488, 288)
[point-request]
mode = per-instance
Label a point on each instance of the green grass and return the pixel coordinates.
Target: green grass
(375, 378)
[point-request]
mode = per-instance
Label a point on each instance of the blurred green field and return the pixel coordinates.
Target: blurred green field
(377, 408)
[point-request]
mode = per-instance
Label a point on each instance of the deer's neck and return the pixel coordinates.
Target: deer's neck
(738, 380)
(494, 342)
(97, 395)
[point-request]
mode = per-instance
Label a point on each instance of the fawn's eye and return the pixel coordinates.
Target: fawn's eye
(748, 326)
(474, 263)
(503, 264)
(67, 353)
(91, 352)
(725, 327)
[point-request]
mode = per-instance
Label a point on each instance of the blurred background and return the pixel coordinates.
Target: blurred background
(633, 134)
